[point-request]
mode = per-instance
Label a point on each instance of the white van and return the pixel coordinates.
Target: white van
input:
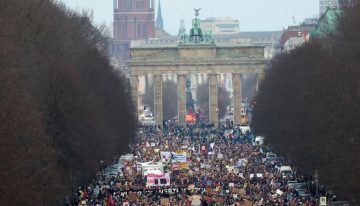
(270, 156)
(244, 128)
(286, 171)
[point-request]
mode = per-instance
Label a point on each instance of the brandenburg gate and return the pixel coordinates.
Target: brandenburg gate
(195, 54)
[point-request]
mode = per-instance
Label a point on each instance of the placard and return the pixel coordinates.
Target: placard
(178, 157)
(181, 151)
(132, 196)
(164, 201)
(242, 192)
(184, 165)
(235, 190)
(163, 180)
(322, 201)
(279, 192)
(165, 156)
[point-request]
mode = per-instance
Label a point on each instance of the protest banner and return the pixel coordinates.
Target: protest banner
(158, 180)
(178, 157)
(152, 169)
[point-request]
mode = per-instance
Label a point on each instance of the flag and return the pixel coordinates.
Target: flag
(306, 36)
(110, 201)
(212, 146)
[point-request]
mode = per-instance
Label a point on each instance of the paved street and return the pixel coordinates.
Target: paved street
(197, 165)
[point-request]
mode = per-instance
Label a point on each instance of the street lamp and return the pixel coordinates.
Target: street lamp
(316, 177)
(217, 112)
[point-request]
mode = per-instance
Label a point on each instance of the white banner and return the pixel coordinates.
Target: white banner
(152, 169)
(158, 180)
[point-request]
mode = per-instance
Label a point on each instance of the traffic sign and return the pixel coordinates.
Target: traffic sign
(322, 201)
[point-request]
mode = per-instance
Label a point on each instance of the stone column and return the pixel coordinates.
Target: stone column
(158, 104)
(213, 99)
(181, 89)
(134, 81)
(236, 80)
(259, 78)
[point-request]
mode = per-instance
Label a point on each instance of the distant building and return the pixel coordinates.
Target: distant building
(133, 20)
(333, 4)
(268, 39)
(220, 25)
(295, 36)
(159, 19)
(328, 4)
(326, 24)
(159, 26)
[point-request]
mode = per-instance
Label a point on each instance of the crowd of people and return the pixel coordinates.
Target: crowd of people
(223, 166)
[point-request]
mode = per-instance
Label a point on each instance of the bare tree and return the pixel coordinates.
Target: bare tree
(62, 106)
(309, 109)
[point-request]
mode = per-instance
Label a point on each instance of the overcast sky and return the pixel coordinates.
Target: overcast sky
(254, 15)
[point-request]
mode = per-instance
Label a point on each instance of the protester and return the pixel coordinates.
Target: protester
(194, 165)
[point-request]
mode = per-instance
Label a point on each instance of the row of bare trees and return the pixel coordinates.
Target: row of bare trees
(309, 107)
(63, 109)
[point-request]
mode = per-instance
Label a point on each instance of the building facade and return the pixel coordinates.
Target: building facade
(220, 25)
(133, 20)
(198, 56)
(296, 35)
